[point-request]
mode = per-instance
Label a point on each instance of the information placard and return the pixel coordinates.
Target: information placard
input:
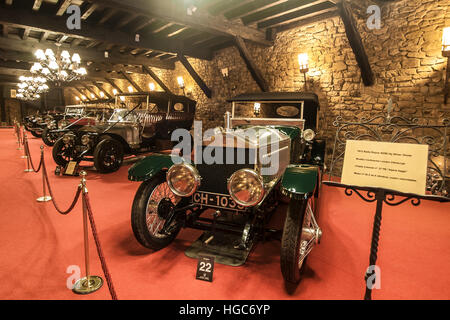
(205, 268)
(396, 166)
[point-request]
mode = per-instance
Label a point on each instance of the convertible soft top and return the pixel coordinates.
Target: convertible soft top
(310, 99)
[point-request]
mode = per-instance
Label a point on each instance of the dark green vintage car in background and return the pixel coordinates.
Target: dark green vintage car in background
(266, 154)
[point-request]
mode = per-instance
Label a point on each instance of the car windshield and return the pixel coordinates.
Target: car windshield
(121, 115)
(272, 110)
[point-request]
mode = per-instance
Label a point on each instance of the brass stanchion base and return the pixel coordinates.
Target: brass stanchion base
(44, 199)
(82, 286)
(23, 157)
(28, 170)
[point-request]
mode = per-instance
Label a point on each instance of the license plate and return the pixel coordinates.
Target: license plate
(216, 200)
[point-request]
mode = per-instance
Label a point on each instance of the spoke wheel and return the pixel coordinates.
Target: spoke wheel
(151, 206)
(49, 138)
(300, 234)
(61, 153)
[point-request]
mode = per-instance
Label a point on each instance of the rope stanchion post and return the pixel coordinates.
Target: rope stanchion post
(44, 197)
(18, 136)
(89, 283)
(25, 156)
(28, 169)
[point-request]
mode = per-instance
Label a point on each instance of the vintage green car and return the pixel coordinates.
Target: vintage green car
(266, 154)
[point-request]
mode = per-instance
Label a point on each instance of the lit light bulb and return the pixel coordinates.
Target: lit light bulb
(40, 54)
(303, 62)
(102, 95)
(49, 53)
(151, 86)
(180, 82)
(130, 89)
(53, 65)
(446, 41)
(83, 97)
(256, 108)
(76, 58)
(122, 98)
(65, 54)
(114, 92)
(76, 98)
(92, 96)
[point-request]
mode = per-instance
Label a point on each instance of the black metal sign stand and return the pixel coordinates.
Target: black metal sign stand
(380, 195)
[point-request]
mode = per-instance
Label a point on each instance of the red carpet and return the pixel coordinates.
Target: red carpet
(38, 245)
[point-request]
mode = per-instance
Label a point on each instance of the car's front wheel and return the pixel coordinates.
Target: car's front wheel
(49, 137)
(61, 153)
(108, 155)
(36, 134)
(300, 234)
(151, 206)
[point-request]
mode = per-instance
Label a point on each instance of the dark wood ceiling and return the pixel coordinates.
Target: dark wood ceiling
(166, 29)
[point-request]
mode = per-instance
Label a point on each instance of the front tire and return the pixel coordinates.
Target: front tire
(146, 215)
(108, 155)
(294, 244)
(35, 134)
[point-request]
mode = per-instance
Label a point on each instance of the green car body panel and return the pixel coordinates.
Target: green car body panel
(299, 180)
(150, 166)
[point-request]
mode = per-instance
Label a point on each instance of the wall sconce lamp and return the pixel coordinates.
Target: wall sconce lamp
(257, 109)
(181, 84)
(83, 97)
(92, 96)
(224, 72)
(76, 98)
(102, 95)
(303, 62)
(446, 53)
(152, 87)
(115, 92)
(130, 89)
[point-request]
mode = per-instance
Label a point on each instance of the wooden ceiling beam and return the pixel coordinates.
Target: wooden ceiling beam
(37, 5)
(44, 36)
(89, 11)
(100, 89)
(251, 8)
(126, 20)
(156, 78)
(25, 33)
(110, 12)
(112, 83)
(91, 92)
(62, 9)
(195, 75)
(44, 22)
(31, 45)
(310, 10)
(130, 80)
(251, 65)
(356, 43)
(173, 12)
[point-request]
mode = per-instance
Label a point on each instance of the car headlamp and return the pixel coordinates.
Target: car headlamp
(246, 187)
(68, 138)
(183, 179)
(309, 135)
(62, 124)
(51, 125)
(85, 139)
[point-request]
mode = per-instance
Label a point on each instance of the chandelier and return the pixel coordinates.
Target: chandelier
(30, 88)
(58, 68)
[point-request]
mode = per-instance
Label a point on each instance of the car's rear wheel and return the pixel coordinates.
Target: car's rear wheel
(108, 155)
(300, 234)
(49, 137)
(151, 206)
(61, 153)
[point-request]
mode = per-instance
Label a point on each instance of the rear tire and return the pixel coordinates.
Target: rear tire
(59, 153)
(108, 155)
(145, 219)
(290, 255)
(49, 138)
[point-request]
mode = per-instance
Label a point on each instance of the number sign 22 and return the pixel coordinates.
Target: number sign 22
(205, 268)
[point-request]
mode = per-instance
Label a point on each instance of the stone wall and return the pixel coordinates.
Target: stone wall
(405, 55)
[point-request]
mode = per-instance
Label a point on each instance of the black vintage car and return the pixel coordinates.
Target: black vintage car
(75, 117)
(139, 121)
(36, 124)
(266, 152)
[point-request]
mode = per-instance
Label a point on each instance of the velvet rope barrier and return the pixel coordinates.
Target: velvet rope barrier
(27, 151)
(99, 247)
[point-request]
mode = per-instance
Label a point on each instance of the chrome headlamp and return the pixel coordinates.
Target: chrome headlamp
(309, 135)
(62, 124)
(68, 138)
(246, 187)
(51, 125)
(183, 179)
(85, 140)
